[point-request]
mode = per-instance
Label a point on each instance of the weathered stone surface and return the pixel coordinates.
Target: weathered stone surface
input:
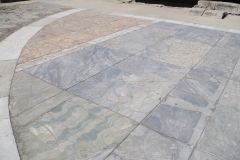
(132, 87)
(219, 62)
(145, 144)
(75, 129)
(6, 74)
(173, 122)
(236, 72)
(196, 11)
(4, 111)
(199, 155)
(230, 41)
(206, 4)
(35, 112)
(231, 94)
(221, 136)
(203, 84)
(205, 36)
(142, 38)
(176, 51)
(8, 148)
(215, 14)
(69, 70)
(227, 7)
(28, 91)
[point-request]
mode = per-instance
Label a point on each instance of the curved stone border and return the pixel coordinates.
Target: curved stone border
(177, 22)
(10, 50)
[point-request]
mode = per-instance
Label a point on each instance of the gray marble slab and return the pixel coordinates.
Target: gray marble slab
(205, 36)
(198, 155)
(221, 136)
(177, 51)
(132, 87)
(136, 41)
(219, 62)
(230, 41)
(231, 94)
(75, 129)
(28, 91)
(145, 144)
(173, 122)
(67, 71)
(203, 84)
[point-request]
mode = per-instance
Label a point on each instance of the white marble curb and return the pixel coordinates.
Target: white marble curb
(177, 22)
(10, 49)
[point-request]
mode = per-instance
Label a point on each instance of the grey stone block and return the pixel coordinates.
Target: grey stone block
(228, 7)
(206, 4)
(196, 11)
(173, 122)
(215, 14)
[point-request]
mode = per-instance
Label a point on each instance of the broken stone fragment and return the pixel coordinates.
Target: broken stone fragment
(196, 11)
(232, 8)
(206, 4)
(215, 14)
(126, 1)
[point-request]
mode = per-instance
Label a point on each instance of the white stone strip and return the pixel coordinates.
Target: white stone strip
(10, 49)
(8, 148)
(177, 22)
(52, 56)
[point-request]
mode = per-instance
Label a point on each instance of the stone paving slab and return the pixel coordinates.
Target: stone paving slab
(27, 91)
(72, 30)
(74, 129)
(142, 38)
(6, 70)
(178, 52)
(132, 87)
(144, 144)
(221, 135)
(158, 90)
(69, 70)
(205, 36)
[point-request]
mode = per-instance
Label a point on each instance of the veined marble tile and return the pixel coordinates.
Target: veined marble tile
(221, 136)
(219, 62)
(199, 82)
(4, 111)
(198, 155)
(205, 36)
(35, 112)
(176, 51)
(136, 41)
(236, 72)
(230, 41)
(75, 129)
(133, 87)
(173, 122)
(28, 91)
(67, 71)
(231, 94)
(145, 144)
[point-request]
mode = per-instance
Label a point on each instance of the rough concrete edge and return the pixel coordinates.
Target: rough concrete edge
(82, 46)
(18, 40)
(177, 22)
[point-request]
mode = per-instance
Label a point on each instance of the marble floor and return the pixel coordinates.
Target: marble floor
(95, 86)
